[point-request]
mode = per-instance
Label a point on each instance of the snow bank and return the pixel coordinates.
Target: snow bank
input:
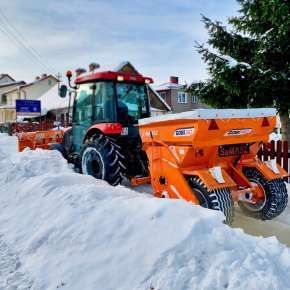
(59, 229)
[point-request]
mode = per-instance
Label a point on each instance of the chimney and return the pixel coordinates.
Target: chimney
(174, 80)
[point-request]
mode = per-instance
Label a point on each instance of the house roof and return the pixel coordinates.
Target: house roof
(126, 66)
(39, 80)
(160, 99)
(12, 84)
(6, 75)
(169, 86)
(22, 84)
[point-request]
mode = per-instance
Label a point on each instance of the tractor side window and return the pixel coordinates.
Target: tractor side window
(132, 102)
(84, 108)
(104, 108)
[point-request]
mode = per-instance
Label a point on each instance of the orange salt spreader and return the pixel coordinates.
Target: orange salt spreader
(209, 157)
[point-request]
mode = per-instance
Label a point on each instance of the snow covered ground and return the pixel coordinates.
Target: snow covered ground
(62, 230)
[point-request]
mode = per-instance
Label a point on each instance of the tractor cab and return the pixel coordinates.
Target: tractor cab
(109, 100)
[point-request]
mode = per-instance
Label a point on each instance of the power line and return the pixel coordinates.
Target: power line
(13, 37)
(23, 39)
(17, 45)
(18, 39)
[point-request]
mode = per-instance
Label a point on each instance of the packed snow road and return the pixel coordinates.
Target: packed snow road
(62, 230)
(279, 227)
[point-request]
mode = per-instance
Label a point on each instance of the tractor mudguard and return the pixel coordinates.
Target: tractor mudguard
(106, 129)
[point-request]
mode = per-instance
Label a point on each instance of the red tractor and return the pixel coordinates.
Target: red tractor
(104, 138)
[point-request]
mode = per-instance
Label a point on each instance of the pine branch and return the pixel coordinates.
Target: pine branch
(232, 44)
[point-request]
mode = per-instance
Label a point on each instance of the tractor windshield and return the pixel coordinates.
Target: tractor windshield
(132, 102)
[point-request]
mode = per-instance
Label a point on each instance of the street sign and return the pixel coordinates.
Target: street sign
(28, 107)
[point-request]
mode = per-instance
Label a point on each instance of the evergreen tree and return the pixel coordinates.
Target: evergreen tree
(250, 65)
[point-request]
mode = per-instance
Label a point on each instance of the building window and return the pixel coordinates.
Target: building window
(163, 95)
(4, 100)
(49, 82)
(194, 99)
(182, 97)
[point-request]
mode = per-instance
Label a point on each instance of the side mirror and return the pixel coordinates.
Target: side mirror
(63, 91)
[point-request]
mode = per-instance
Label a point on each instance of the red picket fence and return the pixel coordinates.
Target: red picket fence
(276, 150)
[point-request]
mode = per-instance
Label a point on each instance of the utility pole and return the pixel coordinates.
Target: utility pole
(58, 76)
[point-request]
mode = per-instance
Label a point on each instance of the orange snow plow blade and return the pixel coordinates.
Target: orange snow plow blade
(39, 139)
(211, 148)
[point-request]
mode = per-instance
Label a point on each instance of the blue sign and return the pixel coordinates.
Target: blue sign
(28, 107)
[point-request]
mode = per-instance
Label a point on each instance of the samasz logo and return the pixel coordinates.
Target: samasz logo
(184, 132)
(238, 132)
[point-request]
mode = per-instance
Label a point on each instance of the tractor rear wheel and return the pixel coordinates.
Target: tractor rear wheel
(275, 197)
(101, 158)
(217, 199)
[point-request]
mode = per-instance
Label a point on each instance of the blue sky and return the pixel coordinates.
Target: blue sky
(157, 36)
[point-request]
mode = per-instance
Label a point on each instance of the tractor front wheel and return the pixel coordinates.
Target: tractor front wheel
(272, 200)
(217, 199)
(101, 158)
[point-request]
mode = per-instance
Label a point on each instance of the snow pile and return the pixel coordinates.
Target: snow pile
(63, 230)
(8, 145)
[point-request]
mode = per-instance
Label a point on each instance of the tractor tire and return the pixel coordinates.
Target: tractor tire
(276, 197)
(217, 199)
(60, 148)
(101, 158)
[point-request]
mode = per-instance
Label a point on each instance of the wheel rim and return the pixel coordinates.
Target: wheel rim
(259, 198)
(92, 163)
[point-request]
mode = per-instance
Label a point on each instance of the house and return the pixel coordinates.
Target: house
(33, 90)
(6, 87)
(177, 96)
(7, 83)
(21, 90)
